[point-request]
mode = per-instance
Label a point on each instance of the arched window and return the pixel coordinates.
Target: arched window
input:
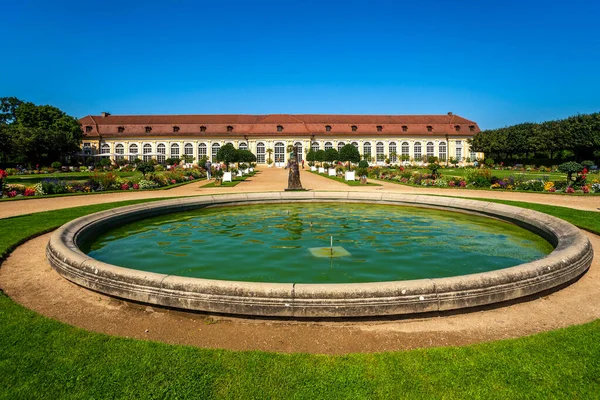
(161, 151)
(188, 150)
(279, 152)
(355, 144)
(147, 152)
(314, 146)
(340, 145)
(174, 150)
(393, 154)
(430, 149)
(442, 151)
(328, 146)
(243, 146)
(379, 149)
(405, 151)
(367, 151)
(215, 150)
(298, 151)
(201, 150)
(260, 153)
(105, 149)
(417, 155)
(119, 151)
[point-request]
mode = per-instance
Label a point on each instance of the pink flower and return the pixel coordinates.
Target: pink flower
(136, 186)
(12, 193)
(586, 189)
(463, 183)
(173, 181)
(29, 192)
(124, 186)
(570, 190)
(451, 183)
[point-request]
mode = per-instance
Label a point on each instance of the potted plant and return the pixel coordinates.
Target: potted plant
(320, 157)
(349, 154)
(218, 174)
(362, 171)
(331, 155)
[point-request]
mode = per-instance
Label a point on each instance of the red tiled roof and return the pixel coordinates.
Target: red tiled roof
(257, 125)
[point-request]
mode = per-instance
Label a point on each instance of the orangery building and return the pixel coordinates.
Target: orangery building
(377, 137)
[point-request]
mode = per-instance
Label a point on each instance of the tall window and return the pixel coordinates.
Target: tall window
(188, 150)
(367, 151)
(298, 151)
(161, 151)
(442, 151)
(405, 149)
(417, 152)
(147, 150)
(215, 150)
(393, 154)
(260, 153)
(473, 156)
(119, 151)
(379, 149)
(430, 149)
(314, 146)
(201, 150)
(328, 146)
(355, 144)
(279, 152)
(243, 146)
(340, 145)
(133, 152)
(105, 149)
(459, 150)
(174, 150)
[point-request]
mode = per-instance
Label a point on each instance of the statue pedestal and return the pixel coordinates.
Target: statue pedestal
(294, 176)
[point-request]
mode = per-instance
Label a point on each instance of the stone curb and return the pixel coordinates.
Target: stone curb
(571, 258)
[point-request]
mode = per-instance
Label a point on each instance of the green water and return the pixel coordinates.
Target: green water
(284, 243)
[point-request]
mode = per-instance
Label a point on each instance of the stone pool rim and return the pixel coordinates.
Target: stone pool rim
(570, 259)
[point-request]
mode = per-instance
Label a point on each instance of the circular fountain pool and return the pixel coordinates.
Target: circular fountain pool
(269, 254)
(318, 243)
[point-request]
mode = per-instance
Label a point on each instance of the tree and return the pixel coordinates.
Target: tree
(320, 156)
(145, 168)
(331, 155)
(244, 156)
(311, 156)
(570, 168)
(227, 154)
(37, 134)
(349, 154)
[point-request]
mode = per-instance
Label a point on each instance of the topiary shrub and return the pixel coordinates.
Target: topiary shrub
(56, 165)
(570, 168)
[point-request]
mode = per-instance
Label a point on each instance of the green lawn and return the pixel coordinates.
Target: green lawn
(235, 181)
(42, 358)
(342, 180)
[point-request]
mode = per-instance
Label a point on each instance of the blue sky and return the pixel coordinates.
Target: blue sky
(497, 62)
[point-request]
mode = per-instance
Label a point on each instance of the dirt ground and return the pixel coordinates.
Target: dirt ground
(28, 279)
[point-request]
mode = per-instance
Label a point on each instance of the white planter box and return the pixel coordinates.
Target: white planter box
(313, 168)
(240, 173)
(227, 176)
(246, 171)
(251, 169)
(350, 176)
(321, 170)
(332, 172)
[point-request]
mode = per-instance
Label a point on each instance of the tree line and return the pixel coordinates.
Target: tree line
(32, 134)
(574, 138)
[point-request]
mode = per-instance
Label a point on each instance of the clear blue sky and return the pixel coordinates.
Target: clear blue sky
(497, 62)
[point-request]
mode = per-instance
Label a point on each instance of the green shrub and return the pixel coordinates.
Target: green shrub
(570, 168)
(478, 177)
(489, 162)
(363, 164)
(56, 165)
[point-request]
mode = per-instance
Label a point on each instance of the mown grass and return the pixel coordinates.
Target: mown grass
(31, 179)
(42, 358)
(342, 180)
(234, 182)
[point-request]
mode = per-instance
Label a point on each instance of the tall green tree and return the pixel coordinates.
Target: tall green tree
(227, 154)
(37, 134)
(349, 153)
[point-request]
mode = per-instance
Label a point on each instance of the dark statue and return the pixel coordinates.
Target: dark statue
(294, 173)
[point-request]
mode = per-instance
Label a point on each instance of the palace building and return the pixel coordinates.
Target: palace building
(379, 137)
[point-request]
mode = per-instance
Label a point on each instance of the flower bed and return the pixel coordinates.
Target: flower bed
(102, 182)
(484, 179)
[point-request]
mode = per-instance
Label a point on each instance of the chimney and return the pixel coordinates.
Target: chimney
(104, 114)
(449, 112)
